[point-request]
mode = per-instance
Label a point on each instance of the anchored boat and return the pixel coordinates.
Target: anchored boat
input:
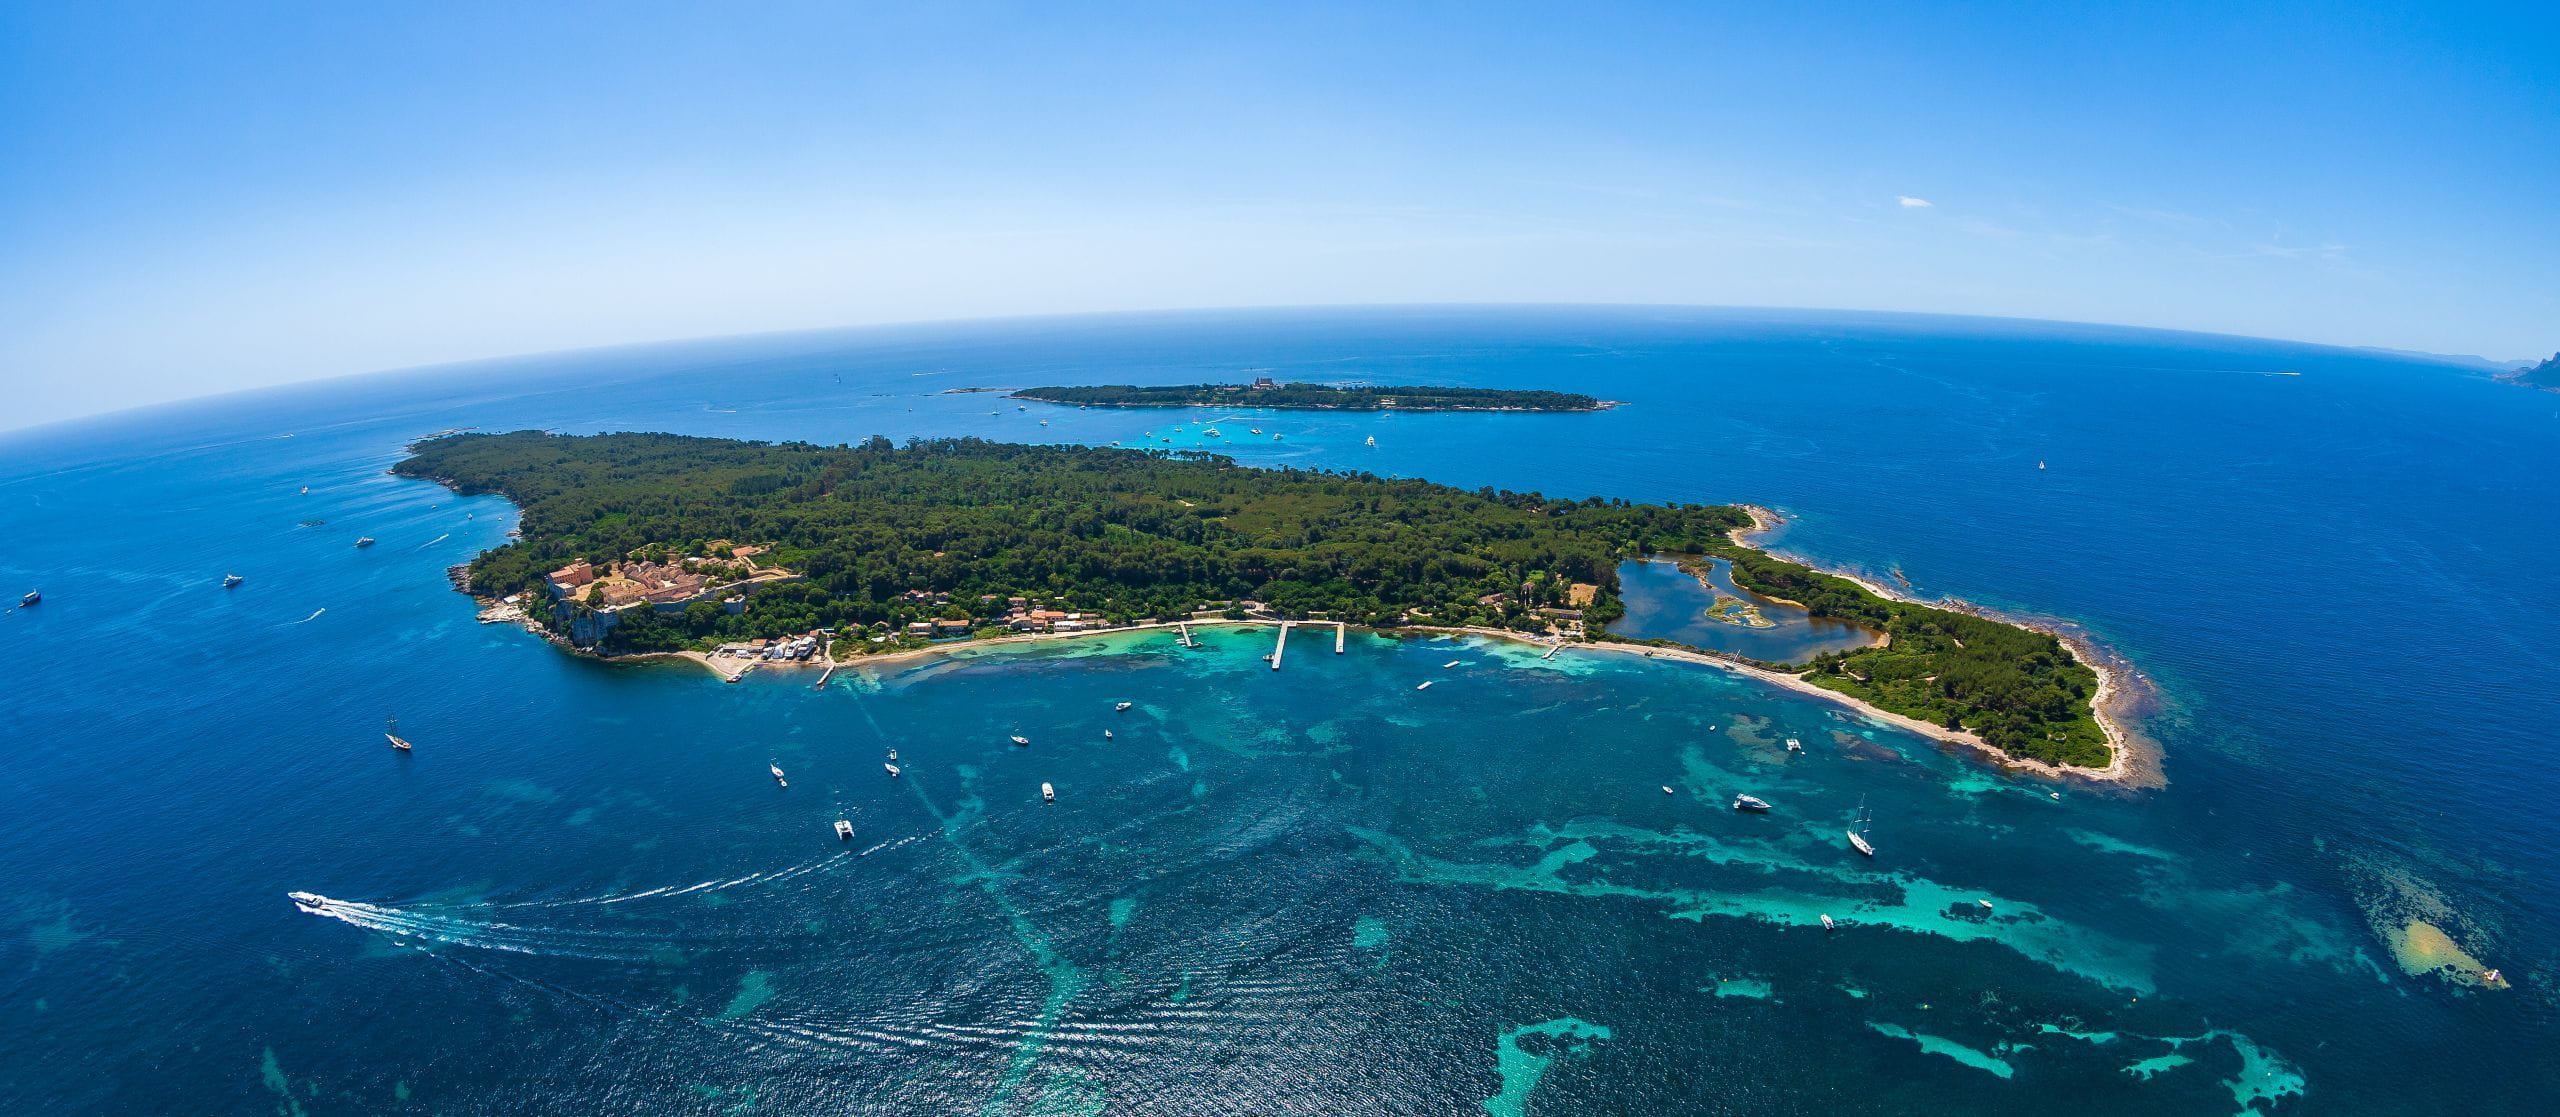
(1752, 803)
(391, 727)
(31, 598)
(1048, 794)
(230, 580)
(364, 541)
(1122, 708)
(844, 829)
(893, 770)
(1019, 739)
(776, 769)
(1858, 837)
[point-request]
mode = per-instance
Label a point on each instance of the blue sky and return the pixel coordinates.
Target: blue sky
(197, 198)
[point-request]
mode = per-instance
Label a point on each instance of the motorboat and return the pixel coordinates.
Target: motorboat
(1448, 665)
(1019, 739)
(1666, 789)
(844, 829)
(776, 769)
(1106, 735)
(31, 598)
(309, 903)
(1752, 803)
(892, 770)
(1424, 684)
(364, 541)
(1826, 921)
(893, 754)
(1122, 707)
(230, 580)
(1048, 794)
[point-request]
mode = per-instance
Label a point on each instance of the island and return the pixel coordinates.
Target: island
(2545, 376)
(656, 543)
(1314, 397)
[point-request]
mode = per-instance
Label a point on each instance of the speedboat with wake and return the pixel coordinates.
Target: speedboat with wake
(309, 903)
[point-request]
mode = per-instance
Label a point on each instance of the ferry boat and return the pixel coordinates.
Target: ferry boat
(309, 903)
(1424, 684)
(1752, 803)
(1858, 837)
(1048, 794)
(1020, 739)
(1122, 707)
(230, 580)
(364, 541)
(776, 769)
(892, 769)
(391, 727)
(31, 598)
(844, 829)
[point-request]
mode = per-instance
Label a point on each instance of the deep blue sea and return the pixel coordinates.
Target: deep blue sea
(1317, 890)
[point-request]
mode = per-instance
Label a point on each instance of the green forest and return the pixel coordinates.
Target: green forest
(892, 533)
(1316, 397)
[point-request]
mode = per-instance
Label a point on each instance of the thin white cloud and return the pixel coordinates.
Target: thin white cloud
(1909, 202)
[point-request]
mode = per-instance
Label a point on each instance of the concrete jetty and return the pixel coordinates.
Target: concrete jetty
(1185, 629)
(1341, 632)
(1282, 646)
(1552, 649)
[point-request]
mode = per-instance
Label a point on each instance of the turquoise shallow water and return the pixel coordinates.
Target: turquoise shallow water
(1317, 889)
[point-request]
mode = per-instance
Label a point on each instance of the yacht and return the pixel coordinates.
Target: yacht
(364, 541)
(310, 903)
(892, 770)
(1858, 837)
(1048, 794)
(31, 598)
(1752, 803)
(230, 580)
(776, 769)
(1448, 665)
(844, 829)
(1122, 707)
(1019, 739)
(1794, 745)
(391, 728)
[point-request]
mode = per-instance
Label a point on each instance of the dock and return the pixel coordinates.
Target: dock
(1552, 649)
(825, 675)
(1185, 629)
(1282, 646)
(1341, 632)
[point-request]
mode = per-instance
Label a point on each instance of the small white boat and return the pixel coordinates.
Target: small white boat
(1986, 904)
(1424, 684)
(364, 541)
(776, 769)
(1826, 921)
(1448, 665)
(1666, 789)
(310, 903)
(230, 580)
(30, 599)
(391, 727)
(844, 829)
(1020, 739)
(1048, 794)
(1106, 735)
(892, 769)
(1751, 803)
(1794, 745)
(1122, 708)
(893, 754)
(1257, 430)
(1373, 442)
(306, 489)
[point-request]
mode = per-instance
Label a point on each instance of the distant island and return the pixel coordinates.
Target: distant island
(652, 543)
(1315, 397)
(2545, 376)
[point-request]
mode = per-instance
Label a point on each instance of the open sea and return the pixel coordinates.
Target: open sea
(1317, 890)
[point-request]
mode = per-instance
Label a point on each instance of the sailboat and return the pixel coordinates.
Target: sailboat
(391, 729)
(1858, 837)
(776, 769)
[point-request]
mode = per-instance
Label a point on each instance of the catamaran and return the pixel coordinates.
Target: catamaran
(844, 829)
(1794, 745)
(1752, 803)
(391, 728)
(1858, 837)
